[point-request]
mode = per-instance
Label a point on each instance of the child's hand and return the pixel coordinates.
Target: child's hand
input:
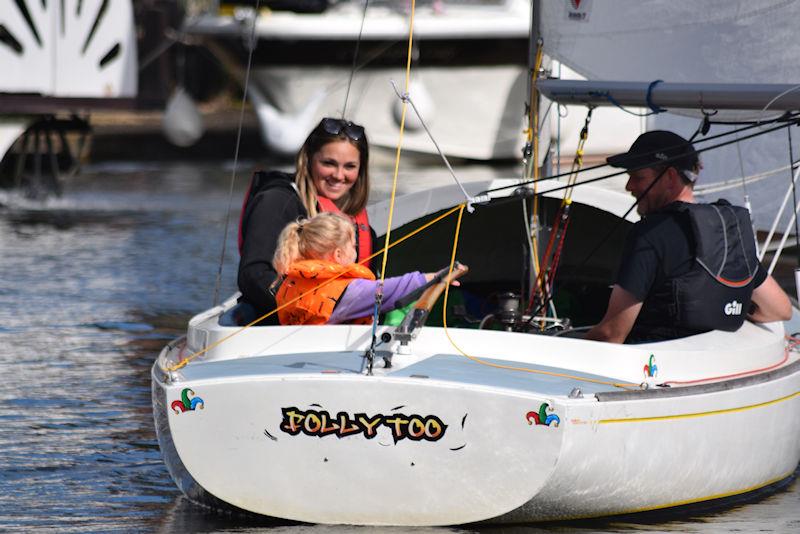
(431, 276)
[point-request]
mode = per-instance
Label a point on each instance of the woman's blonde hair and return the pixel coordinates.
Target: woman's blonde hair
(312, 239)
(356, 199)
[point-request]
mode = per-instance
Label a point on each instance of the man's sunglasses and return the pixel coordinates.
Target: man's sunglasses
(338, 126)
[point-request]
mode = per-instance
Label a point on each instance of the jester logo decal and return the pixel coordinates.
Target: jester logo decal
(321, 423)
(542, 417)
(650, 368)
(187, 403)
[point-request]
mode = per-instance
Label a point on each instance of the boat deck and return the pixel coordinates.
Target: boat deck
(543, 380)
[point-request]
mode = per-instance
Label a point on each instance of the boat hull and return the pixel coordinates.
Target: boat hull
(446, 441)
(493, 94)
(362, 450)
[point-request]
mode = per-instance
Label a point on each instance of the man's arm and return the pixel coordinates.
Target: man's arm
(623, 308)
(770, 303)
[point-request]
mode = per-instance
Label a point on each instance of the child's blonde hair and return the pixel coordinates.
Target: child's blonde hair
(312, 239)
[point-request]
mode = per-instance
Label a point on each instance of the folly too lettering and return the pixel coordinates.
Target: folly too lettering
(321, 423)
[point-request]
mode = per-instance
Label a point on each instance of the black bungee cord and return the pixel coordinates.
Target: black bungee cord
(790, 119)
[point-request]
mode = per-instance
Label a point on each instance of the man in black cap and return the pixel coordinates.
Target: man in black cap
(686, 268)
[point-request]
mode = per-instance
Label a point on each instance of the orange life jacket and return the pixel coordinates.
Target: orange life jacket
(363, 237)
(316, 305)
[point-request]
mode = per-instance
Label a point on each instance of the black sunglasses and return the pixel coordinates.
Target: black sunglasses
(338, 126)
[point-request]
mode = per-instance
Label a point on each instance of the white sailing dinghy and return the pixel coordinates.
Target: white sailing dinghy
(285, 421)
(495, 414)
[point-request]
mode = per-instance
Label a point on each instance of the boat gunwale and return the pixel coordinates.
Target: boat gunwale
(699, 389)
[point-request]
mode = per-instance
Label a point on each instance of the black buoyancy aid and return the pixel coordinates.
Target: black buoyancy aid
(263, 180)
(715, 294)
(260, 181)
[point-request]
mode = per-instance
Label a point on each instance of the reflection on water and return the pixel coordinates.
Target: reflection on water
(91, 287)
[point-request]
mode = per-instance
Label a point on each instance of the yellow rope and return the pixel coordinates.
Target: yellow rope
(497, 365)
(533, 135)
(699, 414)
(217, 343)
(399, 144)
(386, 247)
(577, 162)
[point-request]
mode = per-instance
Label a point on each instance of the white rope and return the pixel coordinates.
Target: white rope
(778, 216)
(405, 97)
(765, 108)
(784, 238)
(738, 182)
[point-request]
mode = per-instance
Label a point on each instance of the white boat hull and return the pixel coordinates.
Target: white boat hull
(526, 428)
(493, 95)
(447, 441)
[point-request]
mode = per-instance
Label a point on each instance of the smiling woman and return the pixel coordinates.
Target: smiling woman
(332, 176)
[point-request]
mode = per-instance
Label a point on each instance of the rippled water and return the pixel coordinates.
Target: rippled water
(91, 287)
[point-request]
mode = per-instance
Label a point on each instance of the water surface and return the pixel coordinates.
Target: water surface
(92, 285)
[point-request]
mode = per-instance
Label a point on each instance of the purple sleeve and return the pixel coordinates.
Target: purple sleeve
(358, 299)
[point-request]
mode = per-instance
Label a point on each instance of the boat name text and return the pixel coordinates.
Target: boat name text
(321, 423)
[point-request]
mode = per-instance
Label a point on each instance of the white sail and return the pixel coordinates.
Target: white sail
(723, 41)
(685, 41)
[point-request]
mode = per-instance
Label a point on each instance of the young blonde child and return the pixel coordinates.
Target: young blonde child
(311, 252)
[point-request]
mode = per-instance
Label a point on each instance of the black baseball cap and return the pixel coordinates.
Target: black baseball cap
(658, 147)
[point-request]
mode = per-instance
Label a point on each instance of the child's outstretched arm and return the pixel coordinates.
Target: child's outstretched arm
(358, 300)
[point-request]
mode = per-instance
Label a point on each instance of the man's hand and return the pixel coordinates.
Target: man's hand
(771, 303)
(623, 309)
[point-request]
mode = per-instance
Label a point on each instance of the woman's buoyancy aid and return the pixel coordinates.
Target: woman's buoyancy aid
(260, 181)
(715, 293)
(315, 306)
(361, 221)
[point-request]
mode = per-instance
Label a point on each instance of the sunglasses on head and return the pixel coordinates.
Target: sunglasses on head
(339, 126)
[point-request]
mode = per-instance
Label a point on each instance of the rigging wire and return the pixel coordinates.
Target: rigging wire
(794, 193)
(406, 98)
(355, 59)
(251, 44)
(788, 119)
(618, 173)
(746, 197)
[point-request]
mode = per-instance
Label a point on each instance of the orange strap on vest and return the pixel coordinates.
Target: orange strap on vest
(363, 237)
(316, 305)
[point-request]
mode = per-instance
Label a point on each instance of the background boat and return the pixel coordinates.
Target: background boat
(467, 55)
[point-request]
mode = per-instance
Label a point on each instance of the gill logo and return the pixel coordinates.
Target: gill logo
(733, 308)
(650, 368)
(187, 403)
(542, 417)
